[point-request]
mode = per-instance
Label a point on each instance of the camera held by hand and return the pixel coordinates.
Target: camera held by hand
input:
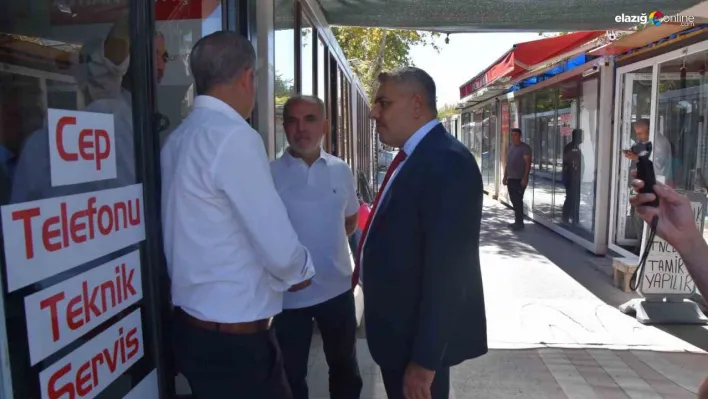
(645, 168)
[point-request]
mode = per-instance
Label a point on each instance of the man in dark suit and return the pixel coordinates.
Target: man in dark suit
(419, 254)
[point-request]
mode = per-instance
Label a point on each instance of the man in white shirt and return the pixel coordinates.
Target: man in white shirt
(661, 148)
(230, 248)
(319, 192)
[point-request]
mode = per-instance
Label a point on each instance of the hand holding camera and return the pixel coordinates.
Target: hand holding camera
(645, 170)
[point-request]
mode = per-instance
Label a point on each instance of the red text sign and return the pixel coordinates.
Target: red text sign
(73, 12)
(46, 237)
(60, 314)
(81, 146)
(88, 370)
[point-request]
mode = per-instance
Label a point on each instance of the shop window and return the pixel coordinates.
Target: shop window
(489, 147)
(307, 65)
(545, 162)
(505, 140)
(588, 125)
(527, 124)
(340, 115)
(477, 118)
(567, 156)
(322, 57)
(679, 150)
(680, 141)
(284, 68)
(67, 147)
(175, 87)
(467, 129)
(347, 136)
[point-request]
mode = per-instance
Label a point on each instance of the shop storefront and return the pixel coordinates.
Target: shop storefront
(89, 91)
(662, 96)
(560, 114)
(479, 134)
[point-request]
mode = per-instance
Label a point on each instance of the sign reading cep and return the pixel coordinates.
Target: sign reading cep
(81, 147)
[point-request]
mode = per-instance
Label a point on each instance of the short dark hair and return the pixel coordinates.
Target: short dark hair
(642, 122)
(219, 58)
(417, 78)
(516, 130)
(306, 98)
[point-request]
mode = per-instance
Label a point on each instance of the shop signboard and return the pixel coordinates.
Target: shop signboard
(566, 122)
(62, 313)
(77, 12)
(88, 370)
(81, 146)
(46, 237)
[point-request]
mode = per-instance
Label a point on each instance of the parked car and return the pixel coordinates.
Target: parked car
(366, 199)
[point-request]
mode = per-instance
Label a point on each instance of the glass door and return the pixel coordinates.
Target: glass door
(78, 280)
(635, 114)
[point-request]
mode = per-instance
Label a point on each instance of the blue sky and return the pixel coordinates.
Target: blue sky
(465, 56)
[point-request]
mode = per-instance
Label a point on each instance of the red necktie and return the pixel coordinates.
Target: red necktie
(400, 157)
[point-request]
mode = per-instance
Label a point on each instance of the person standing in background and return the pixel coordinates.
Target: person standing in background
(516, 175)
(419, 253)
(661, 147)
(571, 176)
(230, 248)
(319, 192)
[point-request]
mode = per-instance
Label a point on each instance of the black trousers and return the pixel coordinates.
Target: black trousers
(227, 366)
(336, 320)
(393, 382)
(516, 195)
(571, 205)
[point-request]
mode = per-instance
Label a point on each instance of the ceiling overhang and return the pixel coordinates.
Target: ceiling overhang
(452, 16)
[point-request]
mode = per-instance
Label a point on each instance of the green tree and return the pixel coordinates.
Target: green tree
(552, 34)
(284, 88)
(372, 50)
(446, 111)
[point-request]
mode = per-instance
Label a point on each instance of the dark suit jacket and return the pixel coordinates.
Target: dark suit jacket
(423, 298)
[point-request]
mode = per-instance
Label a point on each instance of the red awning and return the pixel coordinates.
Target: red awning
(527, 56)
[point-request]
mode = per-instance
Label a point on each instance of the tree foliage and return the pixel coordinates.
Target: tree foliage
(552, 34)
(446, 111)
(363, 49)
(284, 89)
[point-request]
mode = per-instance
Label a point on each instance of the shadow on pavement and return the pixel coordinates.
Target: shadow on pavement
(537, 241)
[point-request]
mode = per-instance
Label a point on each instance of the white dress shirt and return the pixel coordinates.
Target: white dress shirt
(230, 248)
(318, 199)
(408, 148)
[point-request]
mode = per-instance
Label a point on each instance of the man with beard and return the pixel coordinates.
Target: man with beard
(319, 192)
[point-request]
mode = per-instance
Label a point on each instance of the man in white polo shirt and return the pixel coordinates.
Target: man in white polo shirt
(318, 190)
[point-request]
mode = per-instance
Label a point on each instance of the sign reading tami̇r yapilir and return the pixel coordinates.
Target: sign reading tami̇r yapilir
(665, 272)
